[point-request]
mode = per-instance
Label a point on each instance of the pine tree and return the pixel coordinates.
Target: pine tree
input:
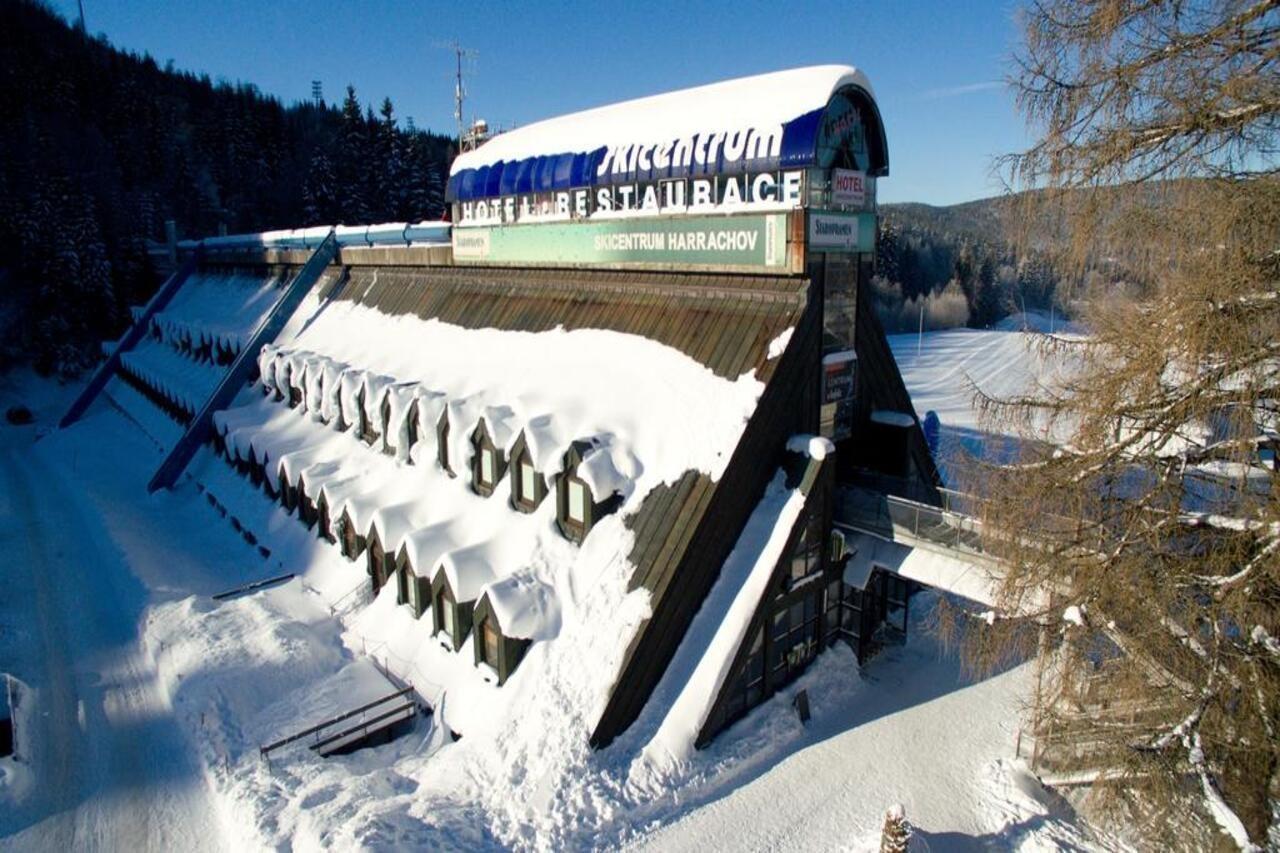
(895, 836)
(353, 161)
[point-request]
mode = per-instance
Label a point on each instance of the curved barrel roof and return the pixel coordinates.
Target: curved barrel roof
(766, 121)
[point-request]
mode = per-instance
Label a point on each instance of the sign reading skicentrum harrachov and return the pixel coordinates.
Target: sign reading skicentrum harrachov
(749, 241)
(693, 177)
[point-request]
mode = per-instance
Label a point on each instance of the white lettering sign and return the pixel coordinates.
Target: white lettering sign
(764, 190)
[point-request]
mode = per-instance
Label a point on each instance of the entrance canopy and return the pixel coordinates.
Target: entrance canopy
(822, 116)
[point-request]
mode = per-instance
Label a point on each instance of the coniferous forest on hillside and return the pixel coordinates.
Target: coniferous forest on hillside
(99, 147)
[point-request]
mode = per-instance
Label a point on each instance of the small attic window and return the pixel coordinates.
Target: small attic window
(576, 511)
(442, 441)
(489, 642)
(411, 430)
(368, 432)
(385, 413)
(528, 487)
(350, 539)
(488, 465)
(444, 612)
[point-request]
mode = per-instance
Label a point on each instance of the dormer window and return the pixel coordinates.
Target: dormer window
(351, 544)
(576, 511)
(367, 430)
(488, 464)
(384, 412)
(442, 442)
(411, 431)
(577, 507)
(282, 380)
(489, 639)
(493, 647)
(444, 609)
(528, 487)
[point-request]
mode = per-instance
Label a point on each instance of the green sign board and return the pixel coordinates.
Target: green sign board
(750, 240)
(836, 231)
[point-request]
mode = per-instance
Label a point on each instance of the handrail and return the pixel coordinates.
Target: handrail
(271, 747)
(319, 746)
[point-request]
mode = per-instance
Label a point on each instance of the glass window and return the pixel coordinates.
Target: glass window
(577, 509)
(446, 613)
(489, 644)
(486, 466)
(411, 588)
(528, 481)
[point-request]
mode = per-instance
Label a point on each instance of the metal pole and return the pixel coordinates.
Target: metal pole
(920, 333)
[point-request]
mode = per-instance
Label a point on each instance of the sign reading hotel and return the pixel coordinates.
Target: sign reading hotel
(752, 240)
(848, 187)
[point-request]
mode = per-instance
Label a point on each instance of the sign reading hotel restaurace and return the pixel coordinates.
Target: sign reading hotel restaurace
(830, 231)
(714, 194)
(757, 240)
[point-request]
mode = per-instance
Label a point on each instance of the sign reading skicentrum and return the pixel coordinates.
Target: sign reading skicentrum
(723, 241)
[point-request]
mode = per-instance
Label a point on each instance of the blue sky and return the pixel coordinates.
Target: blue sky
(936, 66)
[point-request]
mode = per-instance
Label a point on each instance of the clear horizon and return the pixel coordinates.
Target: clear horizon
(936, 67)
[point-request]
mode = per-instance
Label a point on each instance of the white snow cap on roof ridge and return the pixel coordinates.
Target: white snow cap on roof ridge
(608, 469)
(545, 442)
(813, 446)
(502, 425)
(526, 607)
(760, 100)
(468, 570)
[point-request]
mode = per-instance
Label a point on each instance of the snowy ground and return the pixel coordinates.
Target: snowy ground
(153, 699)
(943, 370)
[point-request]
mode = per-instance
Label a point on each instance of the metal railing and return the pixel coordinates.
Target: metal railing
(953, 525)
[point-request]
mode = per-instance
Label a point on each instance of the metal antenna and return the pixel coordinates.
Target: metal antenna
(80, 3)
(459, 88)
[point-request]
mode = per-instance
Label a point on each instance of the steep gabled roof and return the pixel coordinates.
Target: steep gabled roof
(725, 322)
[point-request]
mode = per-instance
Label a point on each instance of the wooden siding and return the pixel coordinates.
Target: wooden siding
(685, 531)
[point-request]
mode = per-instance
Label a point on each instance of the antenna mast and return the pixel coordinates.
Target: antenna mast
(459, 89)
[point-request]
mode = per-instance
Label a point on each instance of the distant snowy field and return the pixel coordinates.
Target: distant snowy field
(158, 697)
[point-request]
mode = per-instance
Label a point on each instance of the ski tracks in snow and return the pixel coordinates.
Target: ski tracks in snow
(112, 769)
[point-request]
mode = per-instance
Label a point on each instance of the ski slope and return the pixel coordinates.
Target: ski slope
(112, 768)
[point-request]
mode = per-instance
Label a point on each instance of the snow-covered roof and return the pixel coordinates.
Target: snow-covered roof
(782, 108)
(526, 608)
